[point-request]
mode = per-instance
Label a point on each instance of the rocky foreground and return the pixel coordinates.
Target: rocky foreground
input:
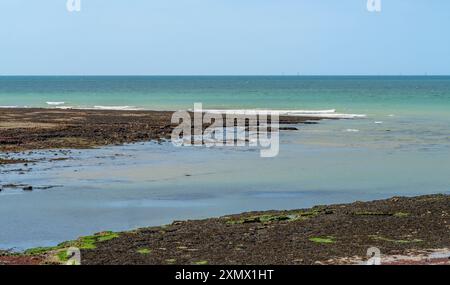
(405, 230)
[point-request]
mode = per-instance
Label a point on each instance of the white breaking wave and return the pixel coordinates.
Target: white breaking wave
(336, 116)
(55, 103)
(64, 107)
(113, 108)
(261, 111)
(131, 108)
(324, 114)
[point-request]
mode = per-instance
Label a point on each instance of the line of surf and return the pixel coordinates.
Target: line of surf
(324, 114)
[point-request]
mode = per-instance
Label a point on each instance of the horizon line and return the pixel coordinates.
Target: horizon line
(225, 75)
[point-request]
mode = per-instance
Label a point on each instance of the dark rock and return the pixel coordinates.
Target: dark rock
(328, 212)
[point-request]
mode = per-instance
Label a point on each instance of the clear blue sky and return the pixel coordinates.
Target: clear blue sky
(224, 37)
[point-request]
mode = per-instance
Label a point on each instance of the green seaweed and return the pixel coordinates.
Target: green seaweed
(85, 242)
(107, 236)
(171, 261)
(63, 256)
(380, 238)
(201, 262)
(328, 239)
(89, 242)
(144, 251)
(401, 214)
(368, 213)
(39, 250)
(267, 218)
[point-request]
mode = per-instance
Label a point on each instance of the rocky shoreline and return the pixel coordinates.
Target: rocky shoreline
(25, 129)
(32, 129)
(414, 230)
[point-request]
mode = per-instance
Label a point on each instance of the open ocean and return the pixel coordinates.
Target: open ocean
(401, 147)
(373, 95)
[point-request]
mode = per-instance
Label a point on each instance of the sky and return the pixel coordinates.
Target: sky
(224, 37)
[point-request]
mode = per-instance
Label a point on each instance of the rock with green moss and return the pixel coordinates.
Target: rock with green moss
(171, 261)
(144, 251)
(381, 238)
(368, 213)
(85, 242)
(328, 239)
(267, 218)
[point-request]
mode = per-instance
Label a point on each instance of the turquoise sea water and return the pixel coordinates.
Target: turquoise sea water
(373, 95)
(402, 147)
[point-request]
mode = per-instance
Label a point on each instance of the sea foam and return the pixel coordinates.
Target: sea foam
(55, 103)
(324, 114)
(130, 108)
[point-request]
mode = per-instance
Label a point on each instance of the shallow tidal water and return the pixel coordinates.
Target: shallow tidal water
(137, 185)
